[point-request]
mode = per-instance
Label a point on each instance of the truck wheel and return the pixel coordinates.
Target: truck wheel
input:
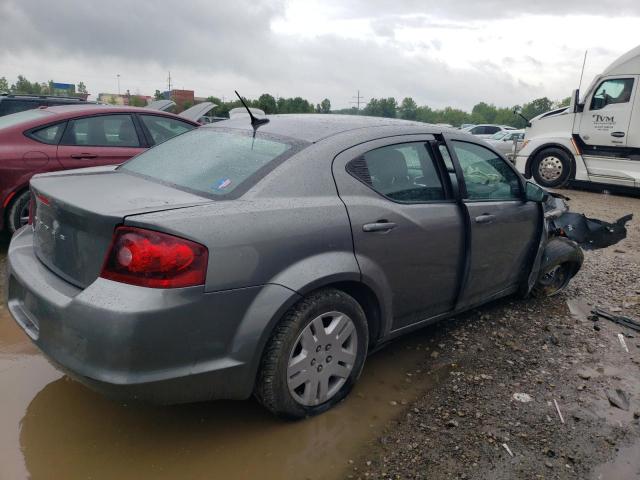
(552, 168)
(18, 213)
(315, 355)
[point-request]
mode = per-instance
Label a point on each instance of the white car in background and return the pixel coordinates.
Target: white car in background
(507, 142)
(486, 130)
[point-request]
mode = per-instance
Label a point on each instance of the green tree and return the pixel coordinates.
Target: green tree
(383, 107)
(408, 109)
(158, 95)
(4, 85)
(82, 88)
(137, 101)
(325, 106)
(484, 113)
(267, 103)
(536, 107)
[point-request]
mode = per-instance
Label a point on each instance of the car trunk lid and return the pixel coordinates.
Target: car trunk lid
(76, 214)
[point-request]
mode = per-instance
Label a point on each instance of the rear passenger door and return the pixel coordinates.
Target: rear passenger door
(503, 227)
(407, 228)
(99, 140)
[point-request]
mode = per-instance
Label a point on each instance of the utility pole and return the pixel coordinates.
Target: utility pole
(359, 99)
(169, 82)
(118, 76)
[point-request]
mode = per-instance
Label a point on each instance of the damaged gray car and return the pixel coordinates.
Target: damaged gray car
(268, 257)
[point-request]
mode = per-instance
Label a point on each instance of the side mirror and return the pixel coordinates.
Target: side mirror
(535, 193)
(575, 100)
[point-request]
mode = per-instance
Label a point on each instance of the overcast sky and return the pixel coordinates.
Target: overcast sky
(438, 52)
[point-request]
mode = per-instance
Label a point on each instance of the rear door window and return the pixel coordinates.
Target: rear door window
(215, 162)
(486, 175)
(404, 173)
(102, 131)
(50, 134)
(164, 128)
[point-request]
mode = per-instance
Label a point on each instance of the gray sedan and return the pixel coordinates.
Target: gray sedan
(269, 259)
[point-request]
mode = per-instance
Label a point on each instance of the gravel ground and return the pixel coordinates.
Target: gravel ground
(470, 426)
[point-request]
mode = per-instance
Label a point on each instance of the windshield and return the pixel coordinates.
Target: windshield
(20, 117)
(210, 161)
(498, 135)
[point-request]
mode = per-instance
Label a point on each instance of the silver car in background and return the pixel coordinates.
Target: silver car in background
(486, 130)
(507, 142)
(269, 258)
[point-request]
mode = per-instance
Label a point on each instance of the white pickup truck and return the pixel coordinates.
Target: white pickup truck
(596, 138)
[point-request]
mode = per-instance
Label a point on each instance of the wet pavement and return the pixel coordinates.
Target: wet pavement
(53, 427)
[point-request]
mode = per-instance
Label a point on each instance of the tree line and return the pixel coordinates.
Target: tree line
(389, 107)
(25, 87)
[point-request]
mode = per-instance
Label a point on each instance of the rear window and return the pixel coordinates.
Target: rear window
(214, 162)
(25, 116)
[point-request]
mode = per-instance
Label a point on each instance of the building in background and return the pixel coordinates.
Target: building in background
(184, 99)
(125, 99)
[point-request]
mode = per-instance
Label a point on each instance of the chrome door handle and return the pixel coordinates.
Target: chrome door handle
(378, 227)
(485, 218)
(617, 134)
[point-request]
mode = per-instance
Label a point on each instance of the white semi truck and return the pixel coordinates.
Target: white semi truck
(596, 138)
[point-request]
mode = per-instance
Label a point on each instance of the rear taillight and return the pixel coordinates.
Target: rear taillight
(152, 259)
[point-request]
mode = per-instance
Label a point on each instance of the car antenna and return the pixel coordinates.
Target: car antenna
(255, 122)
(516, 111)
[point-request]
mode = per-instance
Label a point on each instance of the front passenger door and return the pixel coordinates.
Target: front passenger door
(502, 225)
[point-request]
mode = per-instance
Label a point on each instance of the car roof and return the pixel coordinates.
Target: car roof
(315, 127)
(63, 112)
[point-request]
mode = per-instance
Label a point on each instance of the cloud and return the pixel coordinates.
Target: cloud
(440, 53)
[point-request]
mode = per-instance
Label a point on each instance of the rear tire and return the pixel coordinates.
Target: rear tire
(552, 168)
(314, 357)
(18, 212)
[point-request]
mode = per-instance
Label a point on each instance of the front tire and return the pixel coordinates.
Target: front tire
(18, 212)
(315, 355)
(553, 281)
(552, 168)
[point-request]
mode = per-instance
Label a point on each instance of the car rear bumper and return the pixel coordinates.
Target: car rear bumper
(129, 342)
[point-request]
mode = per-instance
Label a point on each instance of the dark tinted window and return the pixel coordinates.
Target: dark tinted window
(491, 130)
(50, 134)
(404, 173)
(164, 128)
(102, 131)
(211, 161)
(9, 106)
(486, 176)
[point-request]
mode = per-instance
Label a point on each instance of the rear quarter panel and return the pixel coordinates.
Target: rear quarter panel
(291, 229)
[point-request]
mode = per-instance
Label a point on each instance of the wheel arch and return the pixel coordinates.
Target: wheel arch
(8, 202)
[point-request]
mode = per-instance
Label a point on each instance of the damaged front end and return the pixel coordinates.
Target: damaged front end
(558, 257)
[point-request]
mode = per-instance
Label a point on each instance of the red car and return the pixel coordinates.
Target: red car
(47, 139)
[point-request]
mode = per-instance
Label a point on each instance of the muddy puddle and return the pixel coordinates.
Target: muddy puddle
(53, 427)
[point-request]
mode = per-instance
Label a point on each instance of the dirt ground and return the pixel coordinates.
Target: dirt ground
(437, 404)
(477, 424)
